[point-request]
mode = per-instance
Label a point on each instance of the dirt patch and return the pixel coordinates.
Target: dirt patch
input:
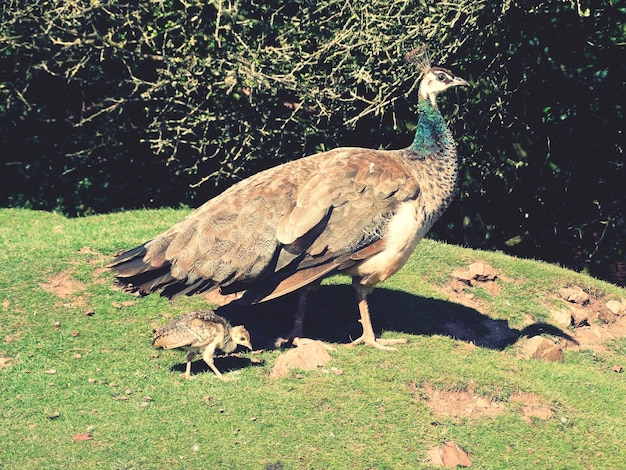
(5, 362)
(586, 321)
(62, 285)
(590, 321)
(65, 288)
(468, 404)
(478, 274)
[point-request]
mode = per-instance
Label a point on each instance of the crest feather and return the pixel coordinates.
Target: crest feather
(421, 57)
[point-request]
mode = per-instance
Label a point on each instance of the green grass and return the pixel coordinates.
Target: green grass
(72, 373)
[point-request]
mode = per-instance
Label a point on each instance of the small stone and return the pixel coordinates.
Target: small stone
(552, 354)
(575, 295)
(448, 455)
(562, 317)
(617, 308)
(538, 347)
(618, 368)
(308, 355)
(580, 317)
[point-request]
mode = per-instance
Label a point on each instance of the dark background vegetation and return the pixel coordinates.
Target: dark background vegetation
(116, 105)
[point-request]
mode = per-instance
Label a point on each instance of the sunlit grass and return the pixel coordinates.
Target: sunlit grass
(83, 363)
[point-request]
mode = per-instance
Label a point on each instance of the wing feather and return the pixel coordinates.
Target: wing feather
(303, 219)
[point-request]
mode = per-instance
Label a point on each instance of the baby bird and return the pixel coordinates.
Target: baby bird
(201, 332)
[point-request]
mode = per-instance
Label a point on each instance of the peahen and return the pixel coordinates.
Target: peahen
(355, 211)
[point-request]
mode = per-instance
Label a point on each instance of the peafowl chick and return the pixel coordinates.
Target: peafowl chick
(354, 211)
(201, 332)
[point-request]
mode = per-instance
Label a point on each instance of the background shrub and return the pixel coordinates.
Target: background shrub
(120, 105)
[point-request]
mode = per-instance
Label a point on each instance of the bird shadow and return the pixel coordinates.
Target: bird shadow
(225, 363)
(332, 316)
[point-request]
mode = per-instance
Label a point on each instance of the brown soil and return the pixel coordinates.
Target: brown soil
(587, 322)
(459, 404)
(63, 286)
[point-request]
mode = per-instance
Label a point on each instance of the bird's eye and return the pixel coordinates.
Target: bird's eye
(441, 77)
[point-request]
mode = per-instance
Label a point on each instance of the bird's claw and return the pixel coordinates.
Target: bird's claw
(379, 343)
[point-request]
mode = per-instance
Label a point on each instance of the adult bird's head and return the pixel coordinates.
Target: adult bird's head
(241, 336)
(434, 79)
(437, 79)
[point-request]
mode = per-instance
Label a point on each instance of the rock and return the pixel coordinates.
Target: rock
(552, 354)
(448, 455)
(562, 317)
(616, 308)
(308, 355)
(580, 317)
(607, 316)
(575, 295)
(545, 349)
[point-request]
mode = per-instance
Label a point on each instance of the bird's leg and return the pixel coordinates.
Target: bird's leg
(190, 357)
(298, 325)
(214, 369)
(368, 337)
(207, 355)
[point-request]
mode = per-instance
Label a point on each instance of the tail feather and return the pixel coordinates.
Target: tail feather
(136, 253)
(137, 275)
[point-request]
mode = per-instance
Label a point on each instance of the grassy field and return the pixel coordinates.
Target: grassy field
(82, 388)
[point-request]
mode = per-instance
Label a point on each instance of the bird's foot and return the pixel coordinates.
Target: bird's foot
(187, 376)
(379, 343)
(281, 342)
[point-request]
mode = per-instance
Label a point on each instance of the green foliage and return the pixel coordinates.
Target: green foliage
(118, 105)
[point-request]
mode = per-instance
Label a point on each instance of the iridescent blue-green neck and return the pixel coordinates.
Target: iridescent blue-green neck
(432, 133)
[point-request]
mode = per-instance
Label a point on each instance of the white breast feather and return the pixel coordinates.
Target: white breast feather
(404, 232)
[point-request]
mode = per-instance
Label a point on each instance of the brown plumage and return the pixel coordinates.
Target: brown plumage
(201, 332)
(355, 211)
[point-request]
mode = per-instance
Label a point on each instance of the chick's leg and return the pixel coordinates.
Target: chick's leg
(207, 356)
(190, 357)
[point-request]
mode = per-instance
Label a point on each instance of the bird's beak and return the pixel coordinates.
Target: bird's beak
(459, 81)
